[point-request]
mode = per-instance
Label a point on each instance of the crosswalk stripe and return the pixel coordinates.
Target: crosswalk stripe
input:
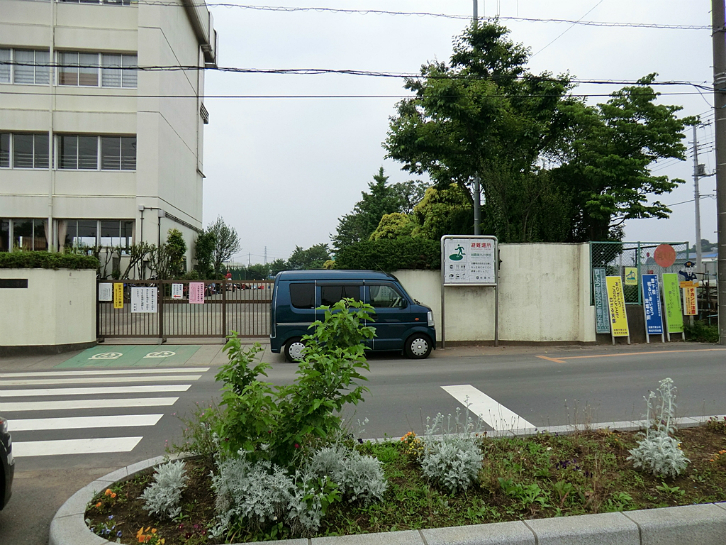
(96, 380)
(84, 422)
(489, 410)
(86, 404)
(103, 390)
(145, 371)
(96, 445)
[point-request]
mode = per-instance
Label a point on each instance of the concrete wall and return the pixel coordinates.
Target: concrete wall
(544, 297)
(58, 308)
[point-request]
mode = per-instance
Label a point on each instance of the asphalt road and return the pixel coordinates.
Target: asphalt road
(545, 387)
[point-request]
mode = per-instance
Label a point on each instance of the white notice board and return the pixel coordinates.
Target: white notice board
(469, 260)
(143, 300)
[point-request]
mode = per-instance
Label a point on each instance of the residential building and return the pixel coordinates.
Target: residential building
(101, 130)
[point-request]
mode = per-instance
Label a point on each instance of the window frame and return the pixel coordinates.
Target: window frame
(60, 157)
(127, 78)
(37, 69)
(40, 159)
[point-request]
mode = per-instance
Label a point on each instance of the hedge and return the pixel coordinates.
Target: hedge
(391, 255)
(46, 260)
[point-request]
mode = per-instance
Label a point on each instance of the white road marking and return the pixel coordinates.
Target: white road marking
(75, 446)
(95, 380)
(92, 372)
(83, 422)
(86, 404)
(489, 410)
(103, 390)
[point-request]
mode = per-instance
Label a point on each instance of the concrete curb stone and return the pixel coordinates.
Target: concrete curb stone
(704, 524)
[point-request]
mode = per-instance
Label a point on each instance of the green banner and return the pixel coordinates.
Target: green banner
(672, 300)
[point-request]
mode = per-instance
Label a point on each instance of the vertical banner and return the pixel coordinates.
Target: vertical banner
(105, 292)
(616, 304)
(143, 300)
(196, 293)
(672, 300)
(177, 291)
(651, 305)
(690, 302)
(118, 295)
(602, 321)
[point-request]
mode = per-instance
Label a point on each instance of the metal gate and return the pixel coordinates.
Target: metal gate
(241, 306)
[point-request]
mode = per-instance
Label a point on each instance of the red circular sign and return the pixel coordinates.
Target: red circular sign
(665, 255)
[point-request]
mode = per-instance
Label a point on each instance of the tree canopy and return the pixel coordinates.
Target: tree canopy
(552, 168)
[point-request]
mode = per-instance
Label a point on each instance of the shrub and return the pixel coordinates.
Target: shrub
(162, 497)
(46, 260)
(701, 332)
(391, 254)
(658, 452)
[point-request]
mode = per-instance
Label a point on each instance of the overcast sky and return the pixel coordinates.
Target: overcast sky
(281, 171)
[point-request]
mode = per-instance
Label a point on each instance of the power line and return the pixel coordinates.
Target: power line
(290, 9)
(567, 29)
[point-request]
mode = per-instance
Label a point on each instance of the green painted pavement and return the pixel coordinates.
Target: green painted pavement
(131, 356)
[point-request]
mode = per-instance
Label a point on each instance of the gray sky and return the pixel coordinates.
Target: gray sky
(281, 171)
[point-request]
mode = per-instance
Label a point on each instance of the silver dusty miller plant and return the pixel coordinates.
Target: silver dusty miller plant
(163, 496)
(452, 461)
(657, 451)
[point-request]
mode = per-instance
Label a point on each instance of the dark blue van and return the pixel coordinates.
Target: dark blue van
(401, 323)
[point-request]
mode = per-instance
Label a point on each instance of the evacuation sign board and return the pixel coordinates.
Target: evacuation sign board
(469, 260)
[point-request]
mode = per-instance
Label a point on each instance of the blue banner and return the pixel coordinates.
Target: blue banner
(651, 305)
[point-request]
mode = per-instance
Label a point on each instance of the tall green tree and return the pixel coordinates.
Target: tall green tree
(204, 254)
(226, 244)
(311, 258)
(176, 249)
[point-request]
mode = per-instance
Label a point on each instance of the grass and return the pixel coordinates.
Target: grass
(520, 478)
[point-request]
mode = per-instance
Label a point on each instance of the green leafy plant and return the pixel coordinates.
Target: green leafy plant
(46, 260)
(391, 254)
(107, 529)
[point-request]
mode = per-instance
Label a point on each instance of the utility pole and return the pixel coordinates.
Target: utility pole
(718, 22)
(697, 197)
(477, 189)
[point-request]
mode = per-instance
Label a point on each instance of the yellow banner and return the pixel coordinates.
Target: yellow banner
(616, 303)
(118, 295)
(690, 302)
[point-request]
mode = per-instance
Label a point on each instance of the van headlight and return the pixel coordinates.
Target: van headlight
(430, 318)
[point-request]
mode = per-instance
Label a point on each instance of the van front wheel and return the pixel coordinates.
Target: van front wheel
(294, 350)
(418, 346)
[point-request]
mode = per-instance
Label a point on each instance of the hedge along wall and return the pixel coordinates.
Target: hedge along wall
(47, 310)
(544, 297)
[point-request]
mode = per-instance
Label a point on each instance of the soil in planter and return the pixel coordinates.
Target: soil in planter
(521, 478)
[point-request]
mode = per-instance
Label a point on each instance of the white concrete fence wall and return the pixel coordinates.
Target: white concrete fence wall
(544, 296)
(58, 308)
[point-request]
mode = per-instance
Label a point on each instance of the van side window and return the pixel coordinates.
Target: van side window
(329, 295)
(385, 297)
(302, 295)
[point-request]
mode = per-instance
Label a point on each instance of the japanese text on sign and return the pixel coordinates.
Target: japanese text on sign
(470, 260)
(105, 292)
(690, 302)
(196, 293)
(602, 323)
(177, 291)
(672, 301)
(651, 304)
(118, 295)
(616, 304)
(143, 300)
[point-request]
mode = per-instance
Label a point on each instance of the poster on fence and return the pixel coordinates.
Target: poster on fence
(118, 295)
(651, 305)
(143, 300)
(105, 292)
(196, 293)
(616, 304)
(672, 301)
(602, 321)
(690, 302)
(177, 291)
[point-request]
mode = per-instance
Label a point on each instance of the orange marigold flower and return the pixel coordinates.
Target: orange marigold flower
(98, 504)
(108, 492)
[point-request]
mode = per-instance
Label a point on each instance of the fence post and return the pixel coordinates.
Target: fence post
(160, 298)
(224, 308)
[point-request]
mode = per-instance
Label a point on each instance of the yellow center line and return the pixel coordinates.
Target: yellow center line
(560, 359)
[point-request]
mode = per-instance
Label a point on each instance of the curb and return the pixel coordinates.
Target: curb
(704, 524)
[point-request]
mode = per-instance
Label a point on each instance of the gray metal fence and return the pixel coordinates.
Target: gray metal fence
(631, 260)
(241, 306)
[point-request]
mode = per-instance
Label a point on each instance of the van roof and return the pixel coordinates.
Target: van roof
(322, 274)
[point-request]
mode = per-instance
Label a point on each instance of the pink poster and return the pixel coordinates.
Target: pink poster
(196, 293)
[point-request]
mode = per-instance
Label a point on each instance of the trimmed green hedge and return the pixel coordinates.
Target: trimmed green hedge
(46, 260)
(391, 255)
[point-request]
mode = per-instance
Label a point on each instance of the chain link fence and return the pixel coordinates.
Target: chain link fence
(631, 260)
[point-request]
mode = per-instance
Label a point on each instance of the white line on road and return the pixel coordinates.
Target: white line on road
(75, 446)
(96, 391)
(95, 380)
(83, 422)
(489, 410)
(144, 371)
(86, 404)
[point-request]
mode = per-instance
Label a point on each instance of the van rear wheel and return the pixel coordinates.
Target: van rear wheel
(418, 346)
(294, 350)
